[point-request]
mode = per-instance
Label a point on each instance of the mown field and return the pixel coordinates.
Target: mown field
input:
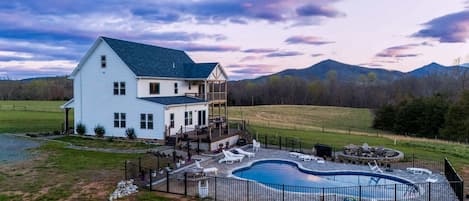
(31, 116)
(302, 117)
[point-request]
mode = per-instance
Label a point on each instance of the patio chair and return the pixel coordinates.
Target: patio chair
(295, 154)
(375, 168)
(248, 154)
(255, 145)
(431, 180)
(206, 170)
(419, 171)
(233, 154)
(320, 160)
(230, 159)
(305, 157)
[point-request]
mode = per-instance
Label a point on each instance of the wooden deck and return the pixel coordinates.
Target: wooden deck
(204, 135)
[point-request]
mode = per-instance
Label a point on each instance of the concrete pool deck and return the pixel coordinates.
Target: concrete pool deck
(265, 154)
(225, 187)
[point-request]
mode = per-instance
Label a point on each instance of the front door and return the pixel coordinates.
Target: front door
(201, 117)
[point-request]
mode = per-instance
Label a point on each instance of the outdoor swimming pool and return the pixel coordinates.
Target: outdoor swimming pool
(14, 148)
(286, 173)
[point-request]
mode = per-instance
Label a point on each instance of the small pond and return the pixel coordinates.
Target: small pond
(14, 148)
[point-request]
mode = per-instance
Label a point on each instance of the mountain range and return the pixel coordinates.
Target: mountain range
(350, 73)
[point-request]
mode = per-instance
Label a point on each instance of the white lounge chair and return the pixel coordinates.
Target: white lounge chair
(206, 170)
(233, 154)
(431, 180)
(255, 145)
(248, 154)
(320, 160)
(305, 157)
(419, 171)
(375, 168)
(229, 159)
(295, 154)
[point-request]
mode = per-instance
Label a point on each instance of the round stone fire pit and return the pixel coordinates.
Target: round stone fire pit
(364, 154)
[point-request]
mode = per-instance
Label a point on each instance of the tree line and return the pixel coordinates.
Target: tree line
(367, 91)
(57, 88)
(436, 116)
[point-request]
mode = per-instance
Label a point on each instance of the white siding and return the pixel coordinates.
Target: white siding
(179, 116)
(166, 87)
(95, 103)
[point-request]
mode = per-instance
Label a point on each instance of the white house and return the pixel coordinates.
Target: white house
(154, 90)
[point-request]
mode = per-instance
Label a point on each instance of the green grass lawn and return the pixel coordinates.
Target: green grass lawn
(305, 117)
(63, 172)
(31, 116)
(105, 143)
(458, 154)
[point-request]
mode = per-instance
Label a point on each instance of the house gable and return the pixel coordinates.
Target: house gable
(218, 73)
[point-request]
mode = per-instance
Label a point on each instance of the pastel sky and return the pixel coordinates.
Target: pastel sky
(249, 38)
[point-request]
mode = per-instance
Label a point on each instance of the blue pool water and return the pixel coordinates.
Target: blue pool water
(287, 173)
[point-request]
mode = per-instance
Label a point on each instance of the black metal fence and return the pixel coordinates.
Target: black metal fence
(297, 145)
(456, 182)
(151, 174)
(230, 189)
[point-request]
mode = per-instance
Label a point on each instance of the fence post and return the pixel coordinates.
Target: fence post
(360, 193)
(323, 198)
(292, 145)
(125, 170)
(167, 182)
(395, 192)
(247, 190)
(413, 159)
(283, 192)
(461, 185)
(185, 183)
(280, 142)
(140, 164)
(215, 188)
(429, 191)
(265, 141)
(151, 180)
(300, 147)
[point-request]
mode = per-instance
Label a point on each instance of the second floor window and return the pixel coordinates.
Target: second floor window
(154, 88)
(119, 88)
(103, 61)
(119, 120)
(175, 88)
(146, 121)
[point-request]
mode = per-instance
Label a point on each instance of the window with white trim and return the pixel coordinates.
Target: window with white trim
(176, 88)
(103, 61)
(154, 88)
(146, 121)
(119, 120)
(119, 88)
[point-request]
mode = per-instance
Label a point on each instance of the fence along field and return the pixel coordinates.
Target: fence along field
(31, 116)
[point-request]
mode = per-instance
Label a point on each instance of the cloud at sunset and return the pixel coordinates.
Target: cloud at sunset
(451, 28)
(49, 37)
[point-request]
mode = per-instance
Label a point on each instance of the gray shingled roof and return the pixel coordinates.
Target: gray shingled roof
(173, 100)
(154, 61)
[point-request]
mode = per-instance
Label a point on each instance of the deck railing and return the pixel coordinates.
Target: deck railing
(216, 96)
(211, 96)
